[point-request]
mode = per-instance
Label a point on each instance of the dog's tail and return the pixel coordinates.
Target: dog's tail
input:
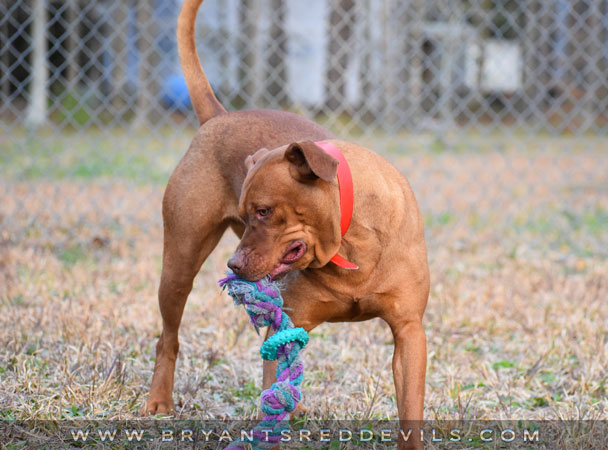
(203, 99)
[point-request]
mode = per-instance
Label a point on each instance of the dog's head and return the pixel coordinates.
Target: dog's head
(290, 207)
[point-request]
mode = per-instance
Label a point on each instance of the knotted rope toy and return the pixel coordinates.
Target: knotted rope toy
(263, 302)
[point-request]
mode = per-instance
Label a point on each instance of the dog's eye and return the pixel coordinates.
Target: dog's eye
(263, 212)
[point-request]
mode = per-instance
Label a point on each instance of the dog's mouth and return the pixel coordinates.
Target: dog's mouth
(292, 254)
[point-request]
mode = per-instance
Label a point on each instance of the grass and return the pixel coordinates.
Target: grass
(516, 321)
(141, 158)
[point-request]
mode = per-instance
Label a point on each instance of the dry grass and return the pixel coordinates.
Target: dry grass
(516, 321)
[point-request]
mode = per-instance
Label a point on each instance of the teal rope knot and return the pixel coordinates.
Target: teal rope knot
(271, 345)
(263, 302)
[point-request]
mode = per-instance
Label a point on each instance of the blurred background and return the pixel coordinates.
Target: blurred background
(495, 110)
(385, 64)
(92, 92)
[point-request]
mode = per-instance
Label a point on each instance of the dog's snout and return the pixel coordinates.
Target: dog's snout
(236, 262)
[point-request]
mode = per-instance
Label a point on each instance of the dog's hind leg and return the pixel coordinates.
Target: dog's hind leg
(191, 232)
(181, 263)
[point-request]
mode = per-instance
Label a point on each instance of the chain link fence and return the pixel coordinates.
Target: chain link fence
(496, 110)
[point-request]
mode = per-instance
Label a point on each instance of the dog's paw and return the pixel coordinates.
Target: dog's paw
(300, 410)
(153, 407)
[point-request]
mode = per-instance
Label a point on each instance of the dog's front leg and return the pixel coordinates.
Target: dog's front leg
(269, 376)
(409, 370)
(269, 372)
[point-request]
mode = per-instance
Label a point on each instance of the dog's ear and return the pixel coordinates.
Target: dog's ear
(252, 159)
(309, 162)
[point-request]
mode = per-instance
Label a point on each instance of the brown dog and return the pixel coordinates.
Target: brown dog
(289, 220)
(201, 198)
(290, 205)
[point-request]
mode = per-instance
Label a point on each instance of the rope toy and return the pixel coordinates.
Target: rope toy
(263, 302)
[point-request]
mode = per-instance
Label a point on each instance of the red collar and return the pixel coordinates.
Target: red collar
(345, 185)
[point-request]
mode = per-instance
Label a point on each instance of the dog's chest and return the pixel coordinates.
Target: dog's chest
(355, 309)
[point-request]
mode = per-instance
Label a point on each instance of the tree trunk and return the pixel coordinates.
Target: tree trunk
(591, 51)
(249, 80)
(412, 68)
(119, 39)
(276, 70)
(532, 43)
(72, 44)
(36, 113)
(602, 91)
(368, 103)
(393, 53)
(5, 61)
(147, 88)
(537, 58)
(226, 48)
(403, 63)
(341, 20)
(562, 44)
(5, 55)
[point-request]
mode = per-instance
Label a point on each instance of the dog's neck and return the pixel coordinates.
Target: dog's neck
(345, 187)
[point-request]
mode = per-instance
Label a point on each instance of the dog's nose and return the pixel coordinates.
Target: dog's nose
(236, 262)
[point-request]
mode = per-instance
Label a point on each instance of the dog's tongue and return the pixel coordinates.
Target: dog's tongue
(279, 269)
